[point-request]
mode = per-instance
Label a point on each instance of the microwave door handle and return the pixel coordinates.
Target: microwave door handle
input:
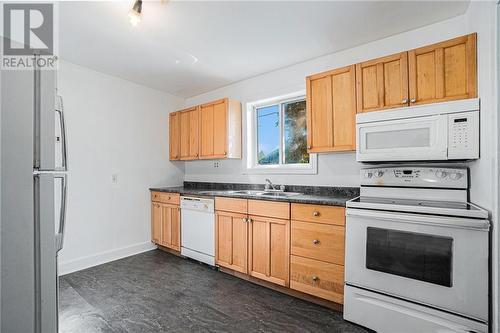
(62, 123)
(62, 211)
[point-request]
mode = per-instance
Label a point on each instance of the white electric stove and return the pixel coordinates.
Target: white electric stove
(416, 252)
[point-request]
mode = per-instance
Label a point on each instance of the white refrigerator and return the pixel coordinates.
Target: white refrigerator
(33, 199)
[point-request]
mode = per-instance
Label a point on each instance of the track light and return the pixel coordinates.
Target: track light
(135, 13)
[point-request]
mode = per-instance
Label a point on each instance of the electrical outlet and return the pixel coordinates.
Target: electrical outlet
(114, 178)
(216, 164)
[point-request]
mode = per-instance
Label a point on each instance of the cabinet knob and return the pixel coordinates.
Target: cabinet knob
(413, 100)
(316, 213)
(308, 147)
(316, 241)
(245, 220)
(404, 101)
(315, 278)
(168, 198)
(249, 220)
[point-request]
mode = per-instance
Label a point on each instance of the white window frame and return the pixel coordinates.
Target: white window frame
(251, 163)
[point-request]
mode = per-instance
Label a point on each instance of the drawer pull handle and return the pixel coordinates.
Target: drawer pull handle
(316, 241)
(315, 278)
(315, 213)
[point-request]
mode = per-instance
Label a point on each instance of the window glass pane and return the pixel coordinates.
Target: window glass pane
(268, 135)
(295, 133)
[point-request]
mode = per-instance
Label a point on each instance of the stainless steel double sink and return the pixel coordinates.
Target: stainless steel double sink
(257, 193)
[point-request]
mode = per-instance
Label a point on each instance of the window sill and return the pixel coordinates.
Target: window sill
(308, 169)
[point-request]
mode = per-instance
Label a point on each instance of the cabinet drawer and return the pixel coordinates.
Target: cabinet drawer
(231, 205)
(279, 210)
(164, 197)
(318, 241)
(317, 278)
(318, 214)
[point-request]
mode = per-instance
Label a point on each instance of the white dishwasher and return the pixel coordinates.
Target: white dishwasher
(198, 229)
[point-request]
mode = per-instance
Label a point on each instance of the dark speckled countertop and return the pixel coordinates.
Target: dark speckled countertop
(320, 195)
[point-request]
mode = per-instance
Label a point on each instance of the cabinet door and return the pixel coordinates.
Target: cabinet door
(184, 135)
(444, 71)
(176, 228)
(194, 133)
(232, 241)
(156, 222)
(207, 131)
(166, 225)
(170, 230)
(189, 124)
(319, 113)
(174, 136)
(382, 83)
(344, 108)
(268, 254)
(220, 129)
(331, 110)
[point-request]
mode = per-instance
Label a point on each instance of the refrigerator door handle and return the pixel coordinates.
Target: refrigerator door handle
(62, 212)
(62, 123)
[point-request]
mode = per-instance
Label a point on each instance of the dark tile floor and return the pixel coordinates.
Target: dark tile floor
(159, 292)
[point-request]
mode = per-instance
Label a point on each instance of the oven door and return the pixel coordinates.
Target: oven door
(411, 139)
(422, 258)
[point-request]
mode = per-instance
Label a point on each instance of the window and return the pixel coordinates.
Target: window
(277, 137)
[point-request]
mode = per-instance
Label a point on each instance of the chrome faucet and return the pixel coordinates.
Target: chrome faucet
(270, 186)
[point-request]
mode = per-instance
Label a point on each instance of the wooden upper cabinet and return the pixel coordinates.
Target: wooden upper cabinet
(174, 136)
(331, 110)
(382, 83)
(220, 133)
(189, 133)
(208, 131)
(444, 71)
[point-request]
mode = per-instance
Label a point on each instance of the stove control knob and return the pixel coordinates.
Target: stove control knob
(455, 176)
(368, 175)
(379, 174)
(441, 174)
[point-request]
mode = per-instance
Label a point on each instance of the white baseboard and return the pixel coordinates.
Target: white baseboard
(103, 257)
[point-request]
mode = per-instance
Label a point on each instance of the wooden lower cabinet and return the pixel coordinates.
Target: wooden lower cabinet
(269, 249)
(318, 278)
(231, 241)
(156, 222)
(305, 254)
(170, 227)
(318, 241)
(165, 220)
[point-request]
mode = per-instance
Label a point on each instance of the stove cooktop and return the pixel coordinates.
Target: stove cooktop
(447, 208)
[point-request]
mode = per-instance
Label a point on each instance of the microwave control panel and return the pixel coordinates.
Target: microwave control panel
(463, 135)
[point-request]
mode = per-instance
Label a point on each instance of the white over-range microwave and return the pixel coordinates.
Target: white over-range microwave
(433, 132)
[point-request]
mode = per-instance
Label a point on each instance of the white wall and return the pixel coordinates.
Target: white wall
(339, 169)
(114, 127)
(481, 17)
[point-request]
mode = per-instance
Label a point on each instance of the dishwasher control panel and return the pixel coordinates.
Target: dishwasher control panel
(199, 204)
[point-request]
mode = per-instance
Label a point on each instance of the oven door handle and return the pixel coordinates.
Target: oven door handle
(434, 220)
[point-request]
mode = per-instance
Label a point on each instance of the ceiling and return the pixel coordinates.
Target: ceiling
(187, 48)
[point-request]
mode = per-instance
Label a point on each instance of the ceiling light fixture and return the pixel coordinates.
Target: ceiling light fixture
(135, 13)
